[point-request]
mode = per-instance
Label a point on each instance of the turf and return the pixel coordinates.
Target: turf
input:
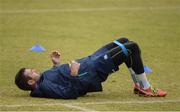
(77, 28)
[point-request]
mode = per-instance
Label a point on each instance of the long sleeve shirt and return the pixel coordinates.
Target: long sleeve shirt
(58, 83)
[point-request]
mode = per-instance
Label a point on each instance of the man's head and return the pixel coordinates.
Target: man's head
(26, 78)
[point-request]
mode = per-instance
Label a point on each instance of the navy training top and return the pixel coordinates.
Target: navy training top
(58, 83)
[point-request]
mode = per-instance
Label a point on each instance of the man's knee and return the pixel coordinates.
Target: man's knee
(123, 40)
(137, 48)
(133, 47)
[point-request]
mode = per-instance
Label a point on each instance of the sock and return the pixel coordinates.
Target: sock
(144, 83)
(133, 76)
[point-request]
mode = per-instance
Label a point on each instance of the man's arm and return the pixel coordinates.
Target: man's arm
(55, 58)
(74, 68)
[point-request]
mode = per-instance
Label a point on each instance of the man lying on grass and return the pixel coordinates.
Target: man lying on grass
(77, 78)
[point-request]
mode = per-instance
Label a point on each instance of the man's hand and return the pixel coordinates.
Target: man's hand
(55, 57)
(74, 67)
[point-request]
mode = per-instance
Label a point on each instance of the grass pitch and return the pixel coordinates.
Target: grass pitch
(77, 28)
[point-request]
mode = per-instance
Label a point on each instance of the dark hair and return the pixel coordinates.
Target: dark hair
(21, 80)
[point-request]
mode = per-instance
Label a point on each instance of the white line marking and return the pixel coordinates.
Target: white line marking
(72, 105)
(77, 107)
(68, 105)
(85, 9)
(129, 102)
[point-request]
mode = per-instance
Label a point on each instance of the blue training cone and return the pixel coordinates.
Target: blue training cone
(147, 69)
(37, 48)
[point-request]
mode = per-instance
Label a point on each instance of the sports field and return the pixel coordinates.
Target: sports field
(77, 28)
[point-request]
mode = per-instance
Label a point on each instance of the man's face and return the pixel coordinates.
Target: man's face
(32, 73)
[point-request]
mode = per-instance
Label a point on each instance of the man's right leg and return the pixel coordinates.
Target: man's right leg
(134, 61)
(112, 46)
(135, 64)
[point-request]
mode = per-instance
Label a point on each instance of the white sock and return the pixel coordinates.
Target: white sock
(144, 83)
(133, 76)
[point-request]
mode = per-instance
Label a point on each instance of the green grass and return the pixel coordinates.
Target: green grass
(154, 24)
